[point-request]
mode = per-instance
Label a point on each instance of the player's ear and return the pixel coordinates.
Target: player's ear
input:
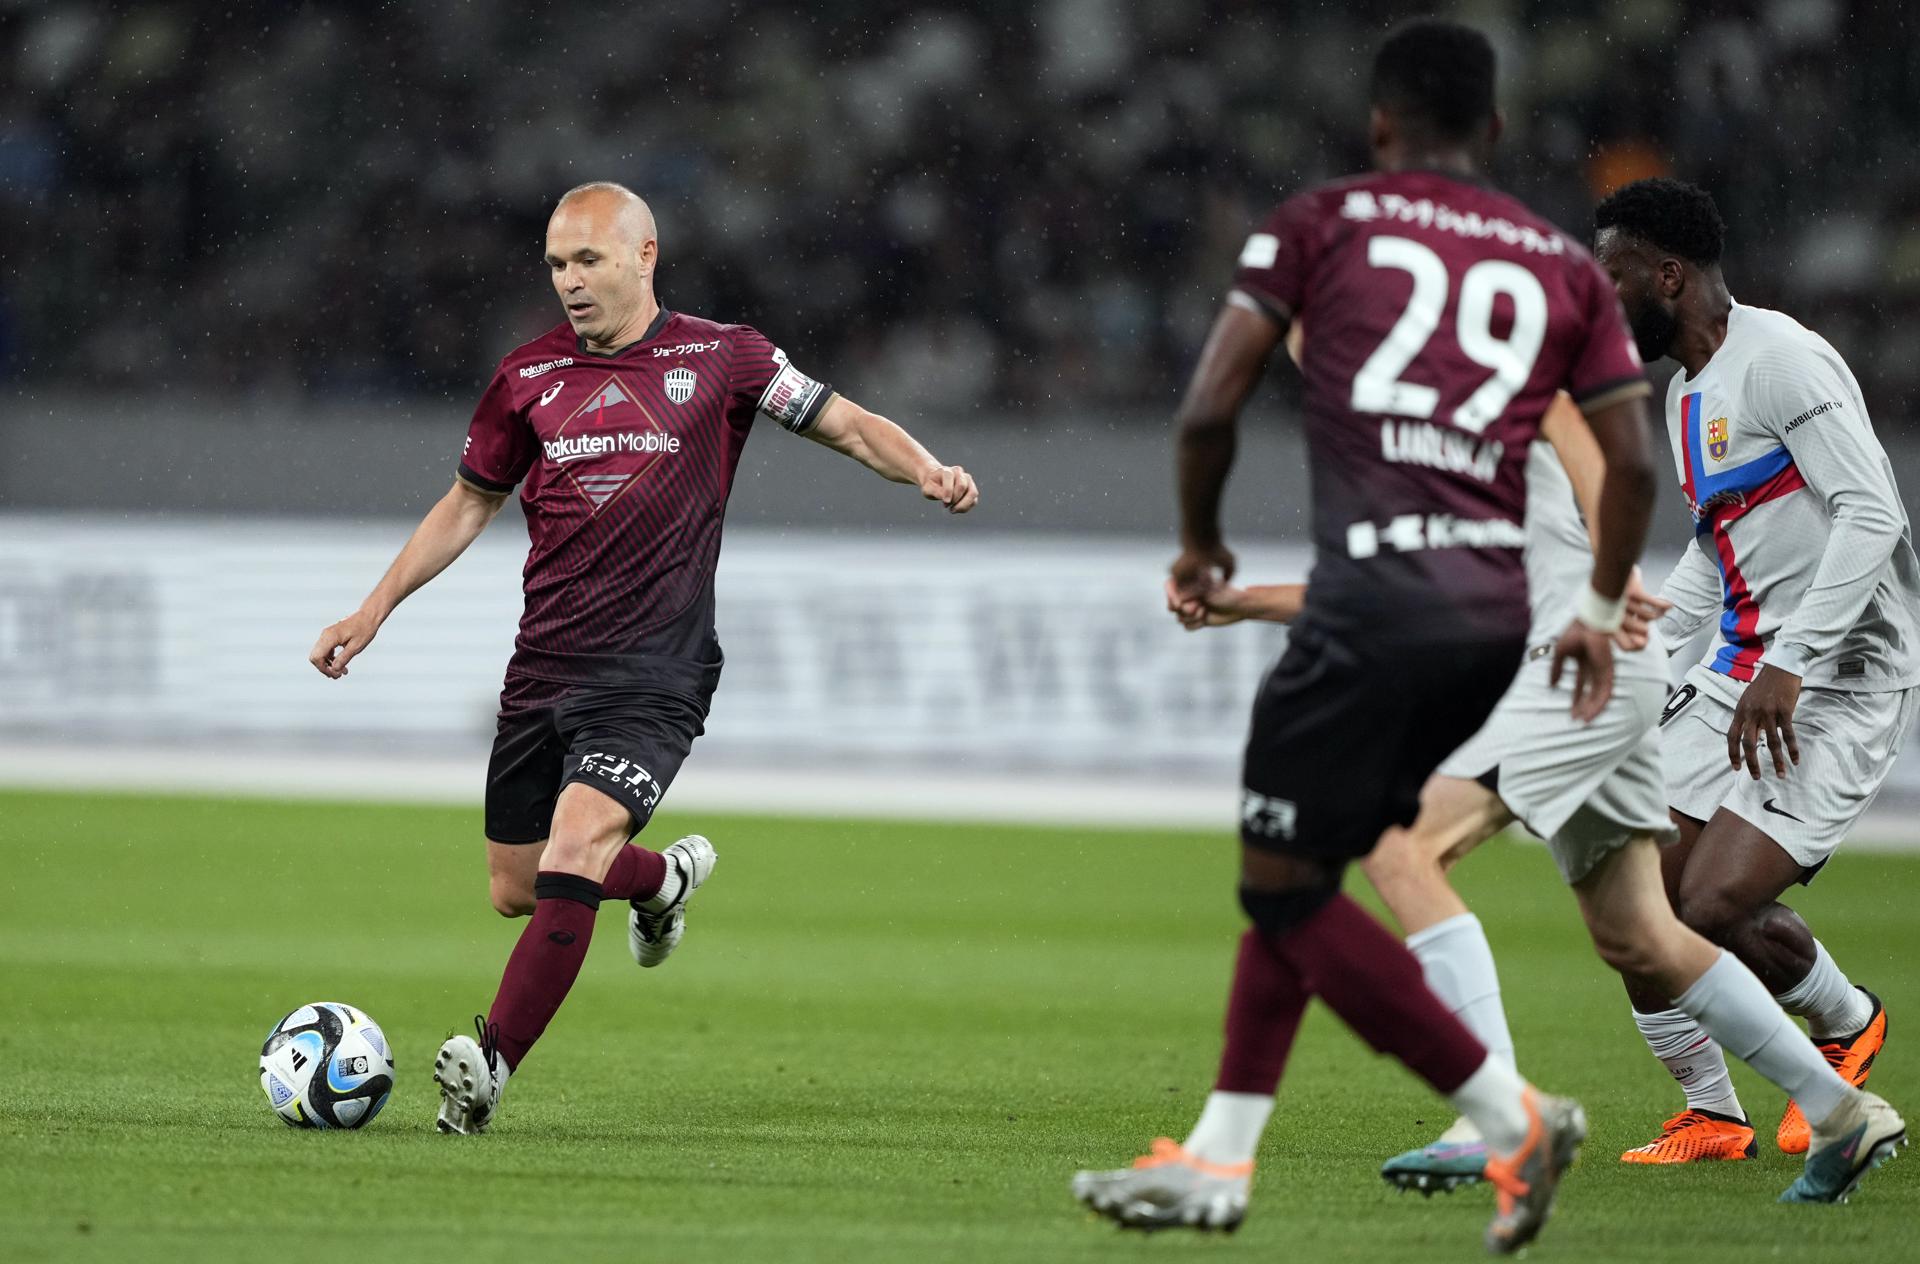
(1380, 129)
(1671, 276)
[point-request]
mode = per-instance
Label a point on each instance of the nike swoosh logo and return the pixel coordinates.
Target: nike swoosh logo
(1768, 807)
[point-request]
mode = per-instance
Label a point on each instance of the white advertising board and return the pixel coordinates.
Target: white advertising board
(970, 649)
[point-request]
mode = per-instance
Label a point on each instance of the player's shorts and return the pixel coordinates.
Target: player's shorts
(626, 742)
(1585, 788)
(1346, 732)
(1847, 742)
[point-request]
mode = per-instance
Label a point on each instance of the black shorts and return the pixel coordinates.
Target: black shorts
(627, 742)
(1346, 732)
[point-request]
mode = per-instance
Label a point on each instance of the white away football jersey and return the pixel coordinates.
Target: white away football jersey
(1802, 549)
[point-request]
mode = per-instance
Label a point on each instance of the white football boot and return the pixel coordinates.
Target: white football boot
(472, 1076)
(655, 926)
(1169, 1189)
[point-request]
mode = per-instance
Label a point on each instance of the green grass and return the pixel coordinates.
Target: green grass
(880, 1042)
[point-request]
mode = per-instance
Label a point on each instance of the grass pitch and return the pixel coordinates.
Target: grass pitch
(879, 1042)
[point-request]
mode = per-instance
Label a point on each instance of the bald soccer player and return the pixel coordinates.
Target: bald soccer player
(622, 428)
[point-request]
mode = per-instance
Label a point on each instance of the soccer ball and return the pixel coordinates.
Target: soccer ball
(326, 1065)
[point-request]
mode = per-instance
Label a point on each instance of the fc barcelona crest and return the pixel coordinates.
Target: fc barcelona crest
(679, 383)
(1716, 436)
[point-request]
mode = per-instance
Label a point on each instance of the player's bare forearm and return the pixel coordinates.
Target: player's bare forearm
(1566, 431)
(443, 535)
(1231, 363)
(889, 451)
(454, 523)
(1626, 494)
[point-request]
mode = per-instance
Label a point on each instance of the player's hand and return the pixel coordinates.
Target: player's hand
(1643, 610)
(1765, 713)
(1222, 604)
(339, 644)
(951, 486)
(1591, 653)
(1197, 572)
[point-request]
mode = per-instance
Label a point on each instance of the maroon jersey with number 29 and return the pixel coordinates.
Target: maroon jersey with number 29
(1439, 317)
(624, 462)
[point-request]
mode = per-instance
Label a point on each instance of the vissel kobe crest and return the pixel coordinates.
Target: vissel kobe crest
(679, 383)
(1717, 438)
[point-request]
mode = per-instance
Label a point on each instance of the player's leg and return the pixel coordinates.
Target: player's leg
(1409, 869)
(1711, 1123)
(1729, 892)
(1325, 707)
(588, 828)
(511, 869)
(630, 743)
(1635, 930)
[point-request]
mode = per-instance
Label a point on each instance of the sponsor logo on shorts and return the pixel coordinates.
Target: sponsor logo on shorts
(1852, 667)
(1768, 806)
(1266, 816)
(622, 773)
(1677, 702)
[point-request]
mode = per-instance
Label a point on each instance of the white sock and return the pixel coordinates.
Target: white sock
(1459, 968)
(1491, 1099)
(1831, 1005)
(669, 890)
(1732, 1004)
(1692, 1058)
(1230, 1127)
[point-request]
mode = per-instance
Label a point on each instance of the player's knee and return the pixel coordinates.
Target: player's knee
(1713, 915)
(1631, 953)
(511, 896)
(1278, 911)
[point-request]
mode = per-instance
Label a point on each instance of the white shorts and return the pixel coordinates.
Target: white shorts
(1585, 788)
(1847, 746)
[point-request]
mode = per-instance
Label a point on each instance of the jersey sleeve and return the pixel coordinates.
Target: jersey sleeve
(764, 382)
(1274, 264)
(500, 445)
(1810, 404)
(1605, 367)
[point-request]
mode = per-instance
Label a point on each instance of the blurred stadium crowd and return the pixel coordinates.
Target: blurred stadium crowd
(1029, 205)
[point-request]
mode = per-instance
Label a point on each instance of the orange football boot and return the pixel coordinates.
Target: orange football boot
(1853, 1058)
(1697, 1136)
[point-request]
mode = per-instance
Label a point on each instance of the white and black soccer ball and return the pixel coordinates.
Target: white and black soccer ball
(326, 1065)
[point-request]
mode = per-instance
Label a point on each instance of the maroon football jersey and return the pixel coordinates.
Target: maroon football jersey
(1439, 317)
(624, 462)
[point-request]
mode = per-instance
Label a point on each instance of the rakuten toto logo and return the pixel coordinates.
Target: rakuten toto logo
(562, 451)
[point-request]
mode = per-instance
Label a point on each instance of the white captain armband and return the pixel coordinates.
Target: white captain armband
(793, 399)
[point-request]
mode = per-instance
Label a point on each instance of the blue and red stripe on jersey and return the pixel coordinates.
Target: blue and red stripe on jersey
(1720, 500)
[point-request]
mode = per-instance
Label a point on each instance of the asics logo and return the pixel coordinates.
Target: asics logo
(546, 396)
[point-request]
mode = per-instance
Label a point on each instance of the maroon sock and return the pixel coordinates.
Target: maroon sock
(1367, 977)
(635, 874)
(1263, 1014)
(545, 962)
